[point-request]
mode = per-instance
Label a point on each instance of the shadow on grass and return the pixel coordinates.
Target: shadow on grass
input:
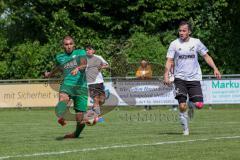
(62, 138)
(178, 133)
(170, 133)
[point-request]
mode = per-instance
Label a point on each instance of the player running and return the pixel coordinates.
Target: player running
(95, 64)
(73, 86)
(183, 53)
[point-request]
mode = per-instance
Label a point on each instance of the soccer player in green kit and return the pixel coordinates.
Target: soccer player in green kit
(73, 86)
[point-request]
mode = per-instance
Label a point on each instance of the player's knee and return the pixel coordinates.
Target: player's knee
(182, 103)
(182, 107)
(96, 99)
(63, 97)
(199, 105)
(79, 116)
(102, 101)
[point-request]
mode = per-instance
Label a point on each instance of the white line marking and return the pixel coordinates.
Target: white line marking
(112, 147)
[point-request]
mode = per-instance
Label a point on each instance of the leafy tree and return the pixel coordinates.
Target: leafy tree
(31, 31)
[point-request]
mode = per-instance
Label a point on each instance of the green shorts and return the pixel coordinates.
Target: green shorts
(79, 95)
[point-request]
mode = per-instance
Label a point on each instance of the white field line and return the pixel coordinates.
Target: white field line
(112, 147)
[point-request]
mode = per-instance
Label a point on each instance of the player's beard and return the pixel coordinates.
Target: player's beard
(69, 52)
(184, 38)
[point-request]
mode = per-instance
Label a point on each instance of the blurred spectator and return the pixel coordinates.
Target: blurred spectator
(144, 72)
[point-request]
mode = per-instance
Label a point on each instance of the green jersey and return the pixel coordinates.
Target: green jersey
(68, 62)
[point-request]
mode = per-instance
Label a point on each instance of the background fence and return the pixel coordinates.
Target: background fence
(120, 91)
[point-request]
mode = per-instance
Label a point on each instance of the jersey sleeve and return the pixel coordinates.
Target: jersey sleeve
(57, 60)
(81, 53)
(171, 50)
(103, 61)
(81, 56)
(201, 48)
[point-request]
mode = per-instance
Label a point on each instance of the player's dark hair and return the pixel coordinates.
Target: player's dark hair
(89, 47)
(186, 23)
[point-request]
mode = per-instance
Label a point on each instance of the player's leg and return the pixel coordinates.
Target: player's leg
(102, 95)
(61, 108)
(64, 98)
(195, 97)
(102, 98)
(96, 104)
(79, 125)
(95, 95)
(183, 114)
(80, 106)
(190, 109)
(62, 104)
(181, 96)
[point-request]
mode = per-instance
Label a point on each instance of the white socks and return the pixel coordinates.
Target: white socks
(183, 116)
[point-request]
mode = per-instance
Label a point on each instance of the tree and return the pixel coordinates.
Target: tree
(35, 27)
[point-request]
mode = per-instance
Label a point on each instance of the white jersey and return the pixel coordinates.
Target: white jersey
(185, 54)
(94, 76)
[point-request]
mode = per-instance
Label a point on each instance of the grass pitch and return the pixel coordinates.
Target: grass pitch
(127, 133)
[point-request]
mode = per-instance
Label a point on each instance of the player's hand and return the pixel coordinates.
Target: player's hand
(217, 74)
(74, 72)
(47, 74)
(100, 67)
(166, 80)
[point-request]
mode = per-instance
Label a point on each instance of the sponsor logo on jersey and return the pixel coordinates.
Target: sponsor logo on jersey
(191, 49)
(191, 56)
(71, 64)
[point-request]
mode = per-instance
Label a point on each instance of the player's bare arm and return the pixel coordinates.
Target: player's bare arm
(168, 66)
(103, 66)
(82, 66)
(211, 63)
(51, 73)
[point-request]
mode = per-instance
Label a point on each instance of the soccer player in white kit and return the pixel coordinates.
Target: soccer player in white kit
(183, 54)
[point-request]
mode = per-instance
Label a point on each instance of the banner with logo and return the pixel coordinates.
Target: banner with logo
(119, 93)
(138, 92)
(221, 91)
(154, 92)
(27, 95)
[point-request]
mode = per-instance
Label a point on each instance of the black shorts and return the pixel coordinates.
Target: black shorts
(192, 89)
(96, 89)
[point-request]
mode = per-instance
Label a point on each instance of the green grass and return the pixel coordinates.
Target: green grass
(33, 131)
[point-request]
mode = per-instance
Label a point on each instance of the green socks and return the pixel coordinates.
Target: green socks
(61, 108)
(79, 129)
